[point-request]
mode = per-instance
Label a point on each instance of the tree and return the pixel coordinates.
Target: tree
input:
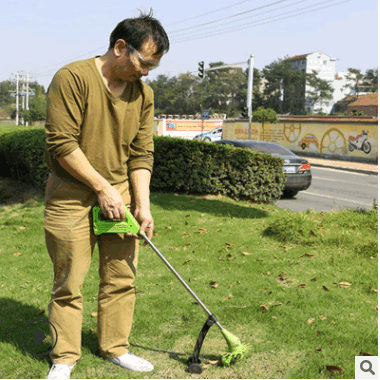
(355, 76)
(37, 109)
(321, 91)
(263, 116)
(370, 79)
(284, 87)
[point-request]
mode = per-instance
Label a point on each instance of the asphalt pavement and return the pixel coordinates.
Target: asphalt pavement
(357, 167)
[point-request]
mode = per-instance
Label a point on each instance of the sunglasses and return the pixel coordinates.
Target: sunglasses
(144, 63)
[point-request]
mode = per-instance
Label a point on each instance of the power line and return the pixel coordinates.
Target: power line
(250, 25)
(207, 13)
(225, 18)
(249, 17)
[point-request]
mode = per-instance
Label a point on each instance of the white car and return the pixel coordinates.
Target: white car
(213, 135)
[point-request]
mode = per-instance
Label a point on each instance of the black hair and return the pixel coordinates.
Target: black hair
(135, 31)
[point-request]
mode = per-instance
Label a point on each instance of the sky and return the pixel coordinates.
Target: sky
(41, 36)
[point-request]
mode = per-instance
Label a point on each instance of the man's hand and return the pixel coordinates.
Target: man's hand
(111, 203)
(145, 219)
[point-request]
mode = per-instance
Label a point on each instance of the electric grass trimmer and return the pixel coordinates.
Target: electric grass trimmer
(236, 349)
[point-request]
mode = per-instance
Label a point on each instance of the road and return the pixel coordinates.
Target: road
(332, 189)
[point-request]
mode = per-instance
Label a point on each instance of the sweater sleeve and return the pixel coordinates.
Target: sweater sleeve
(141, 148)
(65, 108)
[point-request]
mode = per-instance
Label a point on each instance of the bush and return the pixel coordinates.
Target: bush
(186, 166)
(198, 167)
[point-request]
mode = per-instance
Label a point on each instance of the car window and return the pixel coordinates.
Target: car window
(271, 148)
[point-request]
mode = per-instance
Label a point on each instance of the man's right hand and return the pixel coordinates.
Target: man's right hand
(111, 203)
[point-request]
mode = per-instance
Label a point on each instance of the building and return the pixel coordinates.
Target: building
(367, 103)
(324, 65)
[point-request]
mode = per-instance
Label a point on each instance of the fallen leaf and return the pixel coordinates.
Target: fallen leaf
(246, 253)
(187, 261)
(203, 231)
(279, 304)
(94, 314)
(302, 286)
(17, 254)
(268, 273)
(168, 227)
(264, 307)
(325, 288)
(365, 354)
(274, 317)
(218, 230)
(22, 227)
(187, 216)
(314, 279)
(228, 245)
(173, 248)
(214, 362)
(334, 369)
(140, 291)
(185, 233)
(344, 284)
(323, 317)
(319, 349)
(311, 320)
(306, 255)
(214, 284)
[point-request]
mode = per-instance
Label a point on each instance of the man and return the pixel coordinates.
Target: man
(99, 148)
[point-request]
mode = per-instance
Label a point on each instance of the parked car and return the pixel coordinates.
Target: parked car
(213, 135)
(297, 169)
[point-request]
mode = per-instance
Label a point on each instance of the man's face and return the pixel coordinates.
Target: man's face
(132, 65)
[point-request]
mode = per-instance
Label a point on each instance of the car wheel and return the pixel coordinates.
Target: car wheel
(290, 193)
(207, 139)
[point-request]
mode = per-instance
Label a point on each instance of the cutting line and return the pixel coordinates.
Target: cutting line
(337, 180)
(339, 199)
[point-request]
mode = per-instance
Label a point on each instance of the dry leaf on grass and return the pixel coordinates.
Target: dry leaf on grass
(22, 227)
(168, 227)
(203, 231)
(306, 255)
(325, 288)
(311, 320)
(228, 245)
(264, 307)
(214, 284)
(323, 317)
(94, 314)
(213, 362)
(17, 254)
(344, 284)
(140, 291)
(302, 286)
(246, 254)
(187, 261)
(334, 369)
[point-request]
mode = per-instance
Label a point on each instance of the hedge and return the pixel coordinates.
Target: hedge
(183, 166)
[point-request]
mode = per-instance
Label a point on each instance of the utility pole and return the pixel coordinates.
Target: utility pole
(27, 94)
(17, 98)
(249, 94)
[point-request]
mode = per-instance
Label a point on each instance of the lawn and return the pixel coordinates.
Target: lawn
(299, 287)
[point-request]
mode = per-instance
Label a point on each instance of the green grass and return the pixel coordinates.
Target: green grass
(279, 276)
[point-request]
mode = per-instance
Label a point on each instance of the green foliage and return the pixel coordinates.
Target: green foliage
(187, 166)
(197, 167)
(22, 152)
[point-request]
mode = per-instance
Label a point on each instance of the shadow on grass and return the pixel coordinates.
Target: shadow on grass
(15, 316)
(207, 203)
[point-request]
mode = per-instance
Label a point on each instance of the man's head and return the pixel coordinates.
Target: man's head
(138, 45)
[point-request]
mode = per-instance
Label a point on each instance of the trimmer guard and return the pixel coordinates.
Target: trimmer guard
(194, 362)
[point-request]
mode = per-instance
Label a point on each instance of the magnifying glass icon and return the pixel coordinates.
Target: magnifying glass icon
(369, 369)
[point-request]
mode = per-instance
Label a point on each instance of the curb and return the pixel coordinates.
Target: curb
(344, 168)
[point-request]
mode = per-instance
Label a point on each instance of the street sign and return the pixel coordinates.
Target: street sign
(206, 114)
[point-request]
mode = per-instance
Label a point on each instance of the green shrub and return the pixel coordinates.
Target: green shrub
(186, 166)
(198, 167)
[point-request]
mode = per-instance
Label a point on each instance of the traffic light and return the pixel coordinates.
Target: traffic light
(201, 69)
(245, 112)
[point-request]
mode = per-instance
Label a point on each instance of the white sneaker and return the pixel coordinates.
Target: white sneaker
(60, 371)
(132, 363)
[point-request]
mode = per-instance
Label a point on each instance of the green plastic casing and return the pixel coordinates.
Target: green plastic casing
(108, 226)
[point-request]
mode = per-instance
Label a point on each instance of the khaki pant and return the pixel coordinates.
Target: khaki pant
(70, 242)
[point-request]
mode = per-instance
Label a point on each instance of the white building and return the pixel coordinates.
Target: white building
(325, 67)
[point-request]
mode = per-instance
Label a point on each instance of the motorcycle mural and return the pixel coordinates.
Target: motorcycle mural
(360, 142)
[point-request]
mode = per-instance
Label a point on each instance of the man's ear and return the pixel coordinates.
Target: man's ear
(120, 47)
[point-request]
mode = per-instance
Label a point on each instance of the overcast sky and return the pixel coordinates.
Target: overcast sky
(40, 36)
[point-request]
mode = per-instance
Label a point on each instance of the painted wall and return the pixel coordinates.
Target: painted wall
(325, 137)
(186, 129)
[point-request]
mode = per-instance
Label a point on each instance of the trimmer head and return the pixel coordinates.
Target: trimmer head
(104, 225)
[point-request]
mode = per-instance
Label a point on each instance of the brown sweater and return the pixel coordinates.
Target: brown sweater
(115, 134)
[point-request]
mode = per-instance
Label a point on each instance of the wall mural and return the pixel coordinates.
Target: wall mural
(346, 139)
